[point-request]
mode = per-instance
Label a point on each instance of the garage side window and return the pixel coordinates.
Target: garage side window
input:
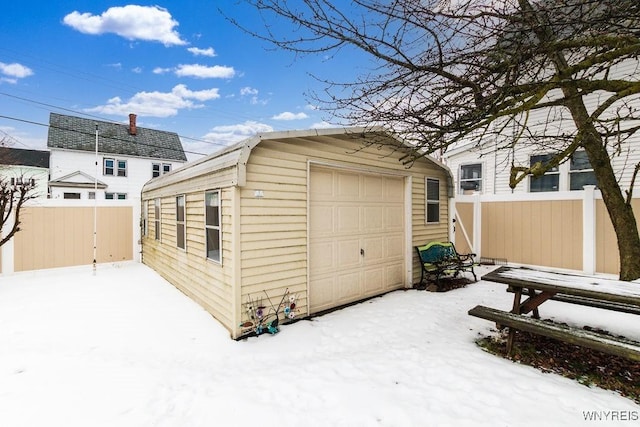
(180, 226)
(212, 225)
(432, 186)
(156, 211)
(145, 218)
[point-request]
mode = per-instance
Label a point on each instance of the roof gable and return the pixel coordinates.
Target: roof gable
(77, 179)
(77, 133)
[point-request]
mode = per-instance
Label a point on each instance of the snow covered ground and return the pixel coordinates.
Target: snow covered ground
(125, 348)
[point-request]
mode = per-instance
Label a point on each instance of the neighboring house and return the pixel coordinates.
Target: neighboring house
(329, 215)
(479, 168)
(20, 165)
(127, 157)
(484, 170)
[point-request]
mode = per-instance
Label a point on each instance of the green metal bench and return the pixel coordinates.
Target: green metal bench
(438, 259)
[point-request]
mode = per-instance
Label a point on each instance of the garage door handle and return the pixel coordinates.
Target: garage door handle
(362, 252)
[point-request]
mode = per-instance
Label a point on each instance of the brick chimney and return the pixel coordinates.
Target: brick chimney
(132, 124)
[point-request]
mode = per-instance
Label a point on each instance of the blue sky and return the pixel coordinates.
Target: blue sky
(179, 65)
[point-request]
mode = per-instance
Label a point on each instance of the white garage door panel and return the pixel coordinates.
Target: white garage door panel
(356, 236)
(348, 254)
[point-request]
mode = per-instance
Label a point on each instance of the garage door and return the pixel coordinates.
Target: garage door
(356, 236)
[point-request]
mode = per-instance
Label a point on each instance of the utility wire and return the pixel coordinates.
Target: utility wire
(55, 107)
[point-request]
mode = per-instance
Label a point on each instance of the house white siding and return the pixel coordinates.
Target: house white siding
(138, 172)
(497, 165)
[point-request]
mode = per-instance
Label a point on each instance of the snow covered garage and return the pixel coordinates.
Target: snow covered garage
(326, 217)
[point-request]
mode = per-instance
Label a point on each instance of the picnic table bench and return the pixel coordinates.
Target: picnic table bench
(440, 259)
(541, 286)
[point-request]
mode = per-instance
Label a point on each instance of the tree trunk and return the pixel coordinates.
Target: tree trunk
(620, 212)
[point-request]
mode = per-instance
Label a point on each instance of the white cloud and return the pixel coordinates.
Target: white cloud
(204, 52)
(133, 22)
(290, 116)
(233, 133)
(15, 71)
(157, 104)
(160, 70)
(248, 91)
(204, 72)
(137, 70)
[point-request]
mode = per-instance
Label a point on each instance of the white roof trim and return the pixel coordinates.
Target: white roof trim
(237, 156)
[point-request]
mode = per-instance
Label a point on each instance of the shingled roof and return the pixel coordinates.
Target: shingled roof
(22, 157)
(77, 133)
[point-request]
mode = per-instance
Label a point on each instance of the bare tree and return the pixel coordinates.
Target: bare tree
(449, 71)
(15, 191)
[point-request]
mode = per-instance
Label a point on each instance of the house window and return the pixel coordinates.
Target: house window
(122, 168)
(115, 196)
(470, 178)
(19, 182)
(113, 167)
(156, 211)
(92, 195)
(180, 226)
(158, 169)
(433, 200)
(549, 181)
(580, 171)
(109, 166)
(71, 195)
(212, 225)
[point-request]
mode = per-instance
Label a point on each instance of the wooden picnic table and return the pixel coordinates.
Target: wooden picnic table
(540, 286)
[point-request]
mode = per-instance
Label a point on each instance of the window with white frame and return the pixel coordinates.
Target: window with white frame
(212, 225)
(470, 178)
(145, 219)
(71, 196)
(550, 181)
(580, 171)
(113, 167)
(156, 211)
(180, 223)
(109, 165)
(158, 169)
(115, 196)
(122, 168)
(432, 186)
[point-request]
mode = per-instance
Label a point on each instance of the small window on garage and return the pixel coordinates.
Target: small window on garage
(180, 225)
(212, 225)
(432, 186)
(156, 212)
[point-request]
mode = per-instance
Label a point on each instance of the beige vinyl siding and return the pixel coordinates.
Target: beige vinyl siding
(274, 228)
(205, 281)
(52, 237)
(421, 231)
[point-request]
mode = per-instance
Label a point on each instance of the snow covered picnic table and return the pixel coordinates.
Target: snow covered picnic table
(541, 286)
